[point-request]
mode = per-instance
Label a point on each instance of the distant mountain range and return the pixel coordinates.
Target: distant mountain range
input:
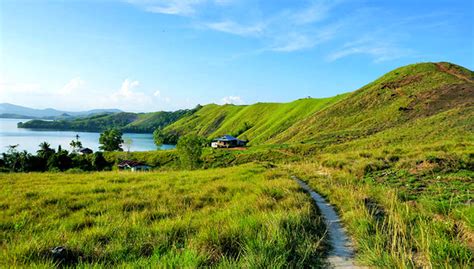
(20, 112)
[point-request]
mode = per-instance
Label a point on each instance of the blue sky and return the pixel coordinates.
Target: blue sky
(150, 55)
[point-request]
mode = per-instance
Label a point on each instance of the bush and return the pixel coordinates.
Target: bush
(189, 151)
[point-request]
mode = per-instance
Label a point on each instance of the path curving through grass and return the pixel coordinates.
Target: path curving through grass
(341, 254)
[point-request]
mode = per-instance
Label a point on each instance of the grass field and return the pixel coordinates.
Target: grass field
(405, 207)
(247, 216)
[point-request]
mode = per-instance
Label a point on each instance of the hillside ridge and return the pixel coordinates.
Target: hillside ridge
(403, 95)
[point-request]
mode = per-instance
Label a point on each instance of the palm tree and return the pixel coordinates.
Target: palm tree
(75, 145)
(45, 151)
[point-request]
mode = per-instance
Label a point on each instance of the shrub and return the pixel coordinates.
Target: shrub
(189, 151)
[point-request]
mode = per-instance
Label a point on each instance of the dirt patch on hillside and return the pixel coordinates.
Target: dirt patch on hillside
(455, 71)
(402, 82)
(237, 148)
(440, 99)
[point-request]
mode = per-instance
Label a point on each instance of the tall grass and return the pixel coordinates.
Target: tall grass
(235, 217)
(390, 232)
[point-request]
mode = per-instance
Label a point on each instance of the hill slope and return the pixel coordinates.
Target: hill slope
(399, 99)
(258, 122)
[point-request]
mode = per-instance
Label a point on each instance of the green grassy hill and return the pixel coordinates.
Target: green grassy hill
(258, 122)
(402, 98)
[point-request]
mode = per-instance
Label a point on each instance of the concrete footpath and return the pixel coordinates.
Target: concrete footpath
(342, 250)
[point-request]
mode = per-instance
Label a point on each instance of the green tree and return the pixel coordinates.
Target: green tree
(83, 162)
(76, 144)
(98, 161)
(111, 140)
(189, 151)
(45, 150)
(44, 153)
(60, 161)
(13, 159)
(24, 164)
(158, 138)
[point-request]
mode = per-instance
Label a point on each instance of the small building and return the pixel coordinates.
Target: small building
(227, 141)
(133, 166)
(84, 151)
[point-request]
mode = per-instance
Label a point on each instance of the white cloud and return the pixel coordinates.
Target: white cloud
(73, 96)
(73, 85)
(175, 7)
(234, 28)
(294, 42)
(178, 7)
(316, 11)
(282, 31)
(236, 100)
(129, 98)
(304, 25)
(126, 90)
(287, 31)
(378, 50)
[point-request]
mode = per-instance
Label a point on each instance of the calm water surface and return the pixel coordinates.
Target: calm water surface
(30, 139)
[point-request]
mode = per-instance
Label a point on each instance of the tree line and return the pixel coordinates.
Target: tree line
(49, 159)
(189, 150)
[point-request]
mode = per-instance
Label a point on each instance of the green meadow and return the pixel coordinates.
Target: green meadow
(247, 216)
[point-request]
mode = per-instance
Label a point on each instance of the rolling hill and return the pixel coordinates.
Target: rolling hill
(403, 98)
(406, 95)
(412, 97)
(258, 122)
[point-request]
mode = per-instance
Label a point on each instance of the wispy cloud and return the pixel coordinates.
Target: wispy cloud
(305, 25)
(234, 28)
(73, 85)
(316, 11)
(171, 7)
(175, 7)
(379, 52)
(236, 100)
(282, 31)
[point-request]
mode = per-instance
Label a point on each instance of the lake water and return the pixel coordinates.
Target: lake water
(29, 139)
